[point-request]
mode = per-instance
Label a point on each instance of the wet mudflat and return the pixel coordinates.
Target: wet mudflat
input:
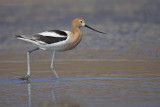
(82, 83)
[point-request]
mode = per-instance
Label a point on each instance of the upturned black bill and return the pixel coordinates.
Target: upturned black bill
(94, 29)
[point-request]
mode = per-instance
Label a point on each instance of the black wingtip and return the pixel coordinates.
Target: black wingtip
(17, 36)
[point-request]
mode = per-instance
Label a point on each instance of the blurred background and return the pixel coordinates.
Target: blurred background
(133, 27)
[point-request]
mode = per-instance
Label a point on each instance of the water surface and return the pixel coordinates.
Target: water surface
(82, 87)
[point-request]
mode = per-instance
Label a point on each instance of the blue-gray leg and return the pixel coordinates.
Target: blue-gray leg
(28, 63)
(52, 67)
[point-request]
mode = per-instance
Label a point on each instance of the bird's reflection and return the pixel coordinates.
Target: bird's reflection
(30, 95)
(29, 92)
(54, 94)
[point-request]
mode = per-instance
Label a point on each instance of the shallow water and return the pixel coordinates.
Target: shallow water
(86, 92)
(80, 86)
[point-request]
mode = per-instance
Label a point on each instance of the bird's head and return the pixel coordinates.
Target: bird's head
(79, 22)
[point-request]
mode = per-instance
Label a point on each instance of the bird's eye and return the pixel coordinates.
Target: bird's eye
(81, 21)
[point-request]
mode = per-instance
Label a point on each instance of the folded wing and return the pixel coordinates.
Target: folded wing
(47, 37)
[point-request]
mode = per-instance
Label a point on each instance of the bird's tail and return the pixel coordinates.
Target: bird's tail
(27, 38)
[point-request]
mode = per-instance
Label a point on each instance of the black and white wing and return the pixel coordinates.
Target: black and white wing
(47, 37)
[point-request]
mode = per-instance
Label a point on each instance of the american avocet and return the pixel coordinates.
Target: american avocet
(55, 40)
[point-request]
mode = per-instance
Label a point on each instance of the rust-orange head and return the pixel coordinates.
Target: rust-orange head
(79, 22)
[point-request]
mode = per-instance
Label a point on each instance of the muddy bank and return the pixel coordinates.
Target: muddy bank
(84, 68)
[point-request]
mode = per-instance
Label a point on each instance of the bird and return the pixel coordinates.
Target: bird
(55, 41)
